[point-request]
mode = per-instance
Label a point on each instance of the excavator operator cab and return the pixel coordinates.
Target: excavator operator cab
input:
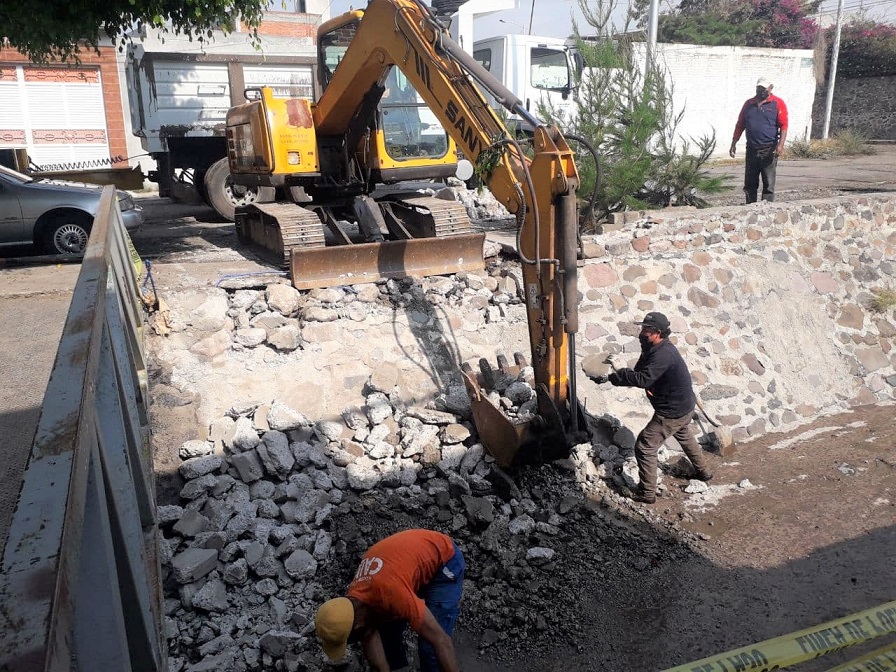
(408, 141)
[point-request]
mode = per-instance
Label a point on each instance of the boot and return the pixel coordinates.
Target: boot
(703, 475)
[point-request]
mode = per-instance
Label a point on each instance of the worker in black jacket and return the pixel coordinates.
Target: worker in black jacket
(662, 373)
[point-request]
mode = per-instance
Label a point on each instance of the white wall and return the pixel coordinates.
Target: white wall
(712, 83)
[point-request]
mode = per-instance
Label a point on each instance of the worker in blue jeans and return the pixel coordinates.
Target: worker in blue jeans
(415, 578)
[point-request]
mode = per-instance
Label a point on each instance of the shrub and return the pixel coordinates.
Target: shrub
(844, 143)
(884, 299)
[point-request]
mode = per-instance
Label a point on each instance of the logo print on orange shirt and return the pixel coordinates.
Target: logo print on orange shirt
(368, 568)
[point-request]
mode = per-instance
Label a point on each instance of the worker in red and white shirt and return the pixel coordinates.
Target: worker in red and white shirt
(412, 578)
(764, 118)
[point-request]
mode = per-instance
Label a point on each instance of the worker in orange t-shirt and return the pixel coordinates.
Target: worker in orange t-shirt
(413, 577)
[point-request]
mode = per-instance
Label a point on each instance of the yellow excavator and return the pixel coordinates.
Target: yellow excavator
(356, 138)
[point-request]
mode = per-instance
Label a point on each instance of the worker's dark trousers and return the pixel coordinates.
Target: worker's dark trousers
(442, 597)
(651, 438)
(761, 162)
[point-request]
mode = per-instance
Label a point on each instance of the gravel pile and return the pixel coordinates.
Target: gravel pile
(276, 510)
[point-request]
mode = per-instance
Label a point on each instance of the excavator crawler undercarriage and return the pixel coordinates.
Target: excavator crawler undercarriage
(393, 238)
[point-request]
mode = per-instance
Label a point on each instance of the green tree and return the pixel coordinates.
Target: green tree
(783, 24)
(626, 114)
(60, 29)
(867, 48)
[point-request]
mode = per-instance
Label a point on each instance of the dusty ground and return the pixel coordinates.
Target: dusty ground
(814, 541)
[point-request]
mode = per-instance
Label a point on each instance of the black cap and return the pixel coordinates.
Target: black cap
(656, 321)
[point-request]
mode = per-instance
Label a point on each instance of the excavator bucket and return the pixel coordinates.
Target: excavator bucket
(512, 442)
(367, 262)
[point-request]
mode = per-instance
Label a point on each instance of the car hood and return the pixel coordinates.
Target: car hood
(69, 187)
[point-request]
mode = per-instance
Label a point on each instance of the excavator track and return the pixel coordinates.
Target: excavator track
(434, 237)
(279, 228)
(445, 218)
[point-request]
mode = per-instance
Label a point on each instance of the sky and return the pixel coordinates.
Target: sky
(551, 18)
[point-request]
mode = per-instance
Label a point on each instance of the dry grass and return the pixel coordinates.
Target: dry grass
(884, 299)
(845, 143)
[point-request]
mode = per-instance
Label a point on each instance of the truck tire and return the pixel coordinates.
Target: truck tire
(224, 196)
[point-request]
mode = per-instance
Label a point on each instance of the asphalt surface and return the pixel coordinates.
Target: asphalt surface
(32, 326)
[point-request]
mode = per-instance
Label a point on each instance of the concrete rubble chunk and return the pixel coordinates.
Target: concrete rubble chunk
(378, 408)
(191, 524)
(277, 643)
(286, 338)
(415, 443)
(211, 597)
(275, 454)
(245, 436)
(248, 465)
(284, 299)
(195, 448)
(300, 564)
(193, 563)
(431, 416)
(362, 475)
(539, 555)
(328, 430)
(195, 467)
(250, 337)
(354, 418)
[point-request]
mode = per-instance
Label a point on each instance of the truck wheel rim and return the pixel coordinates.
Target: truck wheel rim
(70, 239)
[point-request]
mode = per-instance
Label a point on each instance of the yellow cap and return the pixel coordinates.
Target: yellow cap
(333, 623)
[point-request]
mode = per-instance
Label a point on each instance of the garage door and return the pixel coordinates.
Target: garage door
(56, 113)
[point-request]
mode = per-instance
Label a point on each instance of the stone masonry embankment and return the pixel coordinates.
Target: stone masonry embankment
(770, 305)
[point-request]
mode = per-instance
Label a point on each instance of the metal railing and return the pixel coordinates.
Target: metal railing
(80, 585)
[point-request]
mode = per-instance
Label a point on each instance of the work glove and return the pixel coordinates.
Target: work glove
(599, 379)
(616, 362)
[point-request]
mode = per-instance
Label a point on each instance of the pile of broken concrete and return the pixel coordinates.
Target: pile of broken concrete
(277, 509)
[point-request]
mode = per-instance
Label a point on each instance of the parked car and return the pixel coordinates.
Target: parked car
(54, 216)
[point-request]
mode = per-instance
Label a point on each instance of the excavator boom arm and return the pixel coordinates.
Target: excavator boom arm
(540, 190)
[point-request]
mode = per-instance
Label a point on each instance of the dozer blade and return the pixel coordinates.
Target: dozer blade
(367, 262)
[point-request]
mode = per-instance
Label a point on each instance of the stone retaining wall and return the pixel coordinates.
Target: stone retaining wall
(769, 305)
(866, 105)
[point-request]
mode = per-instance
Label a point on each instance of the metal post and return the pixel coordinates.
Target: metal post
(832, 74)
(531, 16)
(652, 29)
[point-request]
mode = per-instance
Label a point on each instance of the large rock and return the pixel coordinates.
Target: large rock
(284, 299)
(300, 565)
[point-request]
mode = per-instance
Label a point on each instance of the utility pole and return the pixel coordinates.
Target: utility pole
(832, 73)
(652, 22)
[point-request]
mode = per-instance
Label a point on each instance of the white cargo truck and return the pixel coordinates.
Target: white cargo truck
(537, 69)
(178, 104)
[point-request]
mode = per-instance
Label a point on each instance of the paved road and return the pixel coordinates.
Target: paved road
(33, 304)
(806, 179)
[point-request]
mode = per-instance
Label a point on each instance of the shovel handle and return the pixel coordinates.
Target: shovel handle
(706, 415)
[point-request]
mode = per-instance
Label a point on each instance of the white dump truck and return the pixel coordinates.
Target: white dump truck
(178, 104)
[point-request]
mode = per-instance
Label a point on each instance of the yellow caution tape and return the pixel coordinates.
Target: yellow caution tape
(882, 660)
(780, 652)
(135, 256)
